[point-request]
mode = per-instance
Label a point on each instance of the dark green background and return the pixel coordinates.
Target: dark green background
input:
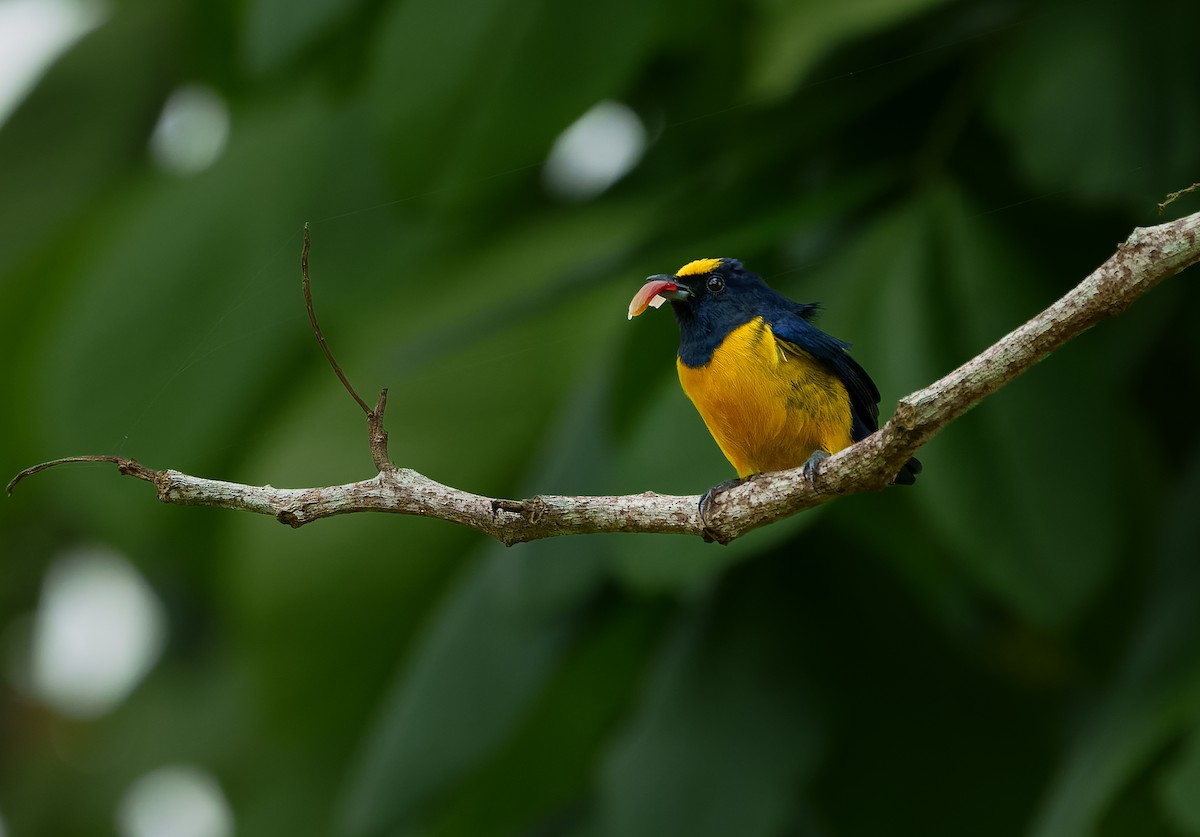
(1010, 647)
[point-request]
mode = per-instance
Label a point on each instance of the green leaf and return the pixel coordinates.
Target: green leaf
(790, 38)
(1179, 789)
(548, 764)
(1096, 102)
(1052, 565)
(723, 737)
(276, 31)
(441, 134)
(480, 665)
(168, 305)
(1153, 696)
(114, 81)
(488, 655)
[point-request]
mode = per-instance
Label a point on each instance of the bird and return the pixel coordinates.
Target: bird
(775, 391)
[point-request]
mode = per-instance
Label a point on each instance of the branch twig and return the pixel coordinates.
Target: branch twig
(1174, 196)
(126, 466)
(377, 435)
(316, 327)
(1148, 256)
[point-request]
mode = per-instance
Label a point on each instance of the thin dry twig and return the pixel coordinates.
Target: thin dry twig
(1171, 198)
(316, 327)
(376, 433)
(1147, 257)
(127, 466)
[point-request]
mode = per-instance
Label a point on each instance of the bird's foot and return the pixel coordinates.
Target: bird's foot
(708, 534)
(809, 468)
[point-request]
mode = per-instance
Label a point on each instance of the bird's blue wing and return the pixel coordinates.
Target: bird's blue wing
(793, 327)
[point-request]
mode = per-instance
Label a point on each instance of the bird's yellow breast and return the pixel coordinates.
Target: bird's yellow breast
(768, 404)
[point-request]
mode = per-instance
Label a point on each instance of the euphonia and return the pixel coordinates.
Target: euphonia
(775, 391)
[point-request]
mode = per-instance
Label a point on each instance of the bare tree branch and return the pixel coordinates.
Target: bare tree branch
(1148, 256)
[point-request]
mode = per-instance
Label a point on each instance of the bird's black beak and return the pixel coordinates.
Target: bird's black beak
(657, 290)
(674, 289)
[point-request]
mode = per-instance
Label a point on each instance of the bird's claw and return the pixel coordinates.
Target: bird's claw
(706, 499)
(809, 468)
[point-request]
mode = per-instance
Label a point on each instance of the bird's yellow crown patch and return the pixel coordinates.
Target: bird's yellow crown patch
(698, 267)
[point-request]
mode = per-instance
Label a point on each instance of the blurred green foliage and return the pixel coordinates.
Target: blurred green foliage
(1010, 647)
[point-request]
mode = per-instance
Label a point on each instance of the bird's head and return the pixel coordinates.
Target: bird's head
(704, 290)
(710, 298)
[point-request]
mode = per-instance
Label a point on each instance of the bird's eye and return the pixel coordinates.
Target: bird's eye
(715, 284)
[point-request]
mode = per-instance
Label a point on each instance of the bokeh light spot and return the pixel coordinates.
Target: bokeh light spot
(32, 34)
(97, 631)
(192, 130)
(596, 151)
(175, 801)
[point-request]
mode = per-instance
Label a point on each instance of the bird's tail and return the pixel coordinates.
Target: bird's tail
(908, 474)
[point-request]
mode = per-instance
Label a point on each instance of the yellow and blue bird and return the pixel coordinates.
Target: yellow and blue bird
(775, 391)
